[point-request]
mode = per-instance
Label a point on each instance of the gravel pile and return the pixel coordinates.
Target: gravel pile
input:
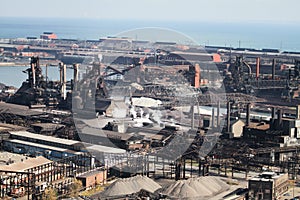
(130, 185)
(195, 188)
(146, 102)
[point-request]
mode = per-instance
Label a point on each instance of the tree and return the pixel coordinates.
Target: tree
(74, 188)
(50, 194)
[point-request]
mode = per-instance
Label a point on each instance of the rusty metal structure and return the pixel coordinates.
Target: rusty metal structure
(52, 172)
(38, 92)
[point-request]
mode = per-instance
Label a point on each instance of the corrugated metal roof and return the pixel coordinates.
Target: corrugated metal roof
(26, 164)
(43, 146)
(44, 137)
(104, 149)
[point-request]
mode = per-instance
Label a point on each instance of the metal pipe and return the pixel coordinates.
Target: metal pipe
(218, 114)
(33, 74)
(193, 117)
(248, 114)
(75, 76)
(279, 117)
(60, 73)
(249, 68)
(273, 113)
(257, 67)
(64, 82)
(273, 69)
(273, 116)
(197, 75)
(213, 118)
(228, 116)
(46, 74)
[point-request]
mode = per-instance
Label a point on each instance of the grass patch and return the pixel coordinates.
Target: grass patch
(92, 191)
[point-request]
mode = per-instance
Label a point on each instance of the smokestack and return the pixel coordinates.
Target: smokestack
(46, 74)
(63, 80)
(33, 72)
(99, 69)
(193, 117)
(213, 118)
(298, 112)
(279, 118)
(218, 114)
(60, 73)
(248, 114)
(257, 67)
(228, 116)
(75, 77)
(273, 69)
(273, 116)
(195, 75)
(273, 113)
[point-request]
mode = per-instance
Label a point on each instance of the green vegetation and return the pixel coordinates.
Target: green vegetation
(95, 190)
(50, 194)
(74, 188)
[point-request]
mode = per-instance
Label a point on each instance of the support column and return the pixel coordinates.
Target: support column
(191, 168)
(273, 69)
(213, 118)
(184, 162)
(257, 67)
(218, 114)
(228, 115)
(199, 166)
(75, 77)
(193, 117)
(248, 115)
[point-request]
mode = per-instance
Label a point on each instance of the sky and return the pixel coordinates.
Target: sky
(272, 11)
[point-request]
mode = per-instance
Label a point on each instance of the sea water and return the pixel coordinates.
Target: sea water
(245, 35)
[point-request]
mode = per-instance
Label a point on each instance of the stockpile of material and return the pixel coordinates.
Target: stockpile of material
(146, 102)
(130, 186)
(195, 188)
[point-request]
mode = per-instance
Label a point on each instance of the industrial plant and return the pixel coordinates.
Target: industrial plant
(145, 119)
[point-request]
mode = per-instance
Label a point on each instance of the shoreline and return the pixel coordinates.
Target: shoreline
(13, 64)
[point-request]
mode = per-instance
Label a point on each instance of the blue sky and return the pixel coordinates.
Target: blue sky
(272, 11)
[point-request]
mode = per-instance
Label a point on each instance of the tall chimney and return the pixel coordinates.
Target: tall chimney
(273, 68)
(60, 73)
(193, 116)
(195, 75)
(248, 114)
(228, 116)
(46, 74)
(198, 75)
(298, 112)
(273, 113)
(218, 114)
(75, 76)
(63, 80)
(33, 72)
(279, 117)
(257, 67)
(213, 118)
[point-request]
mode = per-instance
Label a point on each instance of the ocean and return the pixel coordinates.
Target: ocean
(14, 75)
(251, 35)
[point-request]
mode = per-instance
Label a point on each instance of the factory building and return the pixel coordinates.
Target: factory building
(48, 36)
(280, 132)
(94, 177)
(268, 185)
